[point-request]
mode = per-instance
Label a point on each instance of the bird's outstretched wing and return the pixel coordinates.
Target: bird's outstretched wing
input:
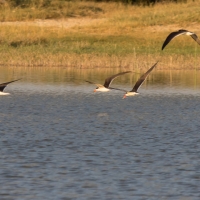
(117, 89)
(142, 79)
(98, 85)
(3, 85)
(194, 36)
(173, 35)
(109, 80)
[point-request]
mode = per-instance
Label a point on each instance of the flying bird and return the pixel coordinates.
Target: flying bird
(177, 33)
(3, 85)
(139, 82)
(106, 86)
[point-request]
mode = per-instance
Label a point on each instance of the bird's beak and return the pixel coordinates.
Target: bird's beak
(124, 96)
(95, 90)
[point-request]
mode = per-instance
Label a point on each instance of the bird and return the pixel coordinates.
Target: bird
(3, 85)
(177, 33)
(106, 86)
(139, 82)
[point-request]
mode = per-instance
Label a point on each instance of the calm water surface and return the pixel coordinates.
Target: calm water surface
(59, 140)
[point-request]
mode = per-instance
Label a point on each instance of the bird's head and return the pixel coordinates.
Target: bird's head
(95, 90)
(125, 95)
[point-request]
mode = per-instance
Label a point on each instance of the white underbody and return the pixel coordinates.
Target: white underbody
(4, 93)
(103, 89)
(189, 33)
(131, 94)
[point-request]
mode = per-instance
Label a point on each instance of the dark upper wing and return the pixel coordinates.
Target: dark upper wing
(142, 79)
(109, 80)
(194, 36)
(117, 89)
(3, 85)
(173, 35)
(98, 85)
(90, 82)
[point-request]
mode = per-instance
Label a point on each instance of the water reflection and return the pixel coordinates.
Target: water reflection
(60, 79)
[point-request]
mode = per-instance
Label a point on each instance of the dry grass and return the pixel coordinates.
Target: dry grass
(100, 35)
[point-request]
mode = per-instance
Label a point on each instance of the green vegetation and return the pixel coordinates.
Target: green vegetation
(97, 34)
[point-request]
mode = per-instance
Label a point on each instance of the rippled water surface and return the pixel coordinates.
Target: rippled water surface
(59, 140)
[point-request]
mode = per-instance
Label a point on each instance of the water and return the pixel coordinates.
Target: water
(59, 140)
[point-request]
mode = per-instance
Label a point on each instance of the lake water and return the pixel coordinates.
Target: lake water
(59, 140)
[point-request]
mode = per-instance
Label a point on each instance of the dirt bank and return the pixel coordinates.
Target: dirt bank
(79, 22)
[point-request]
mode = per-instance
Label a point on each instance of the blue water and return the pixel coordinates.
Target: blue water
(62, 141)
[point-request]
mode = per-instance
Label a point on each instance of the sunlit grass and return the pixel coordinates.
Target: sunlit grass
(126, 36)
(137, 15)
(95, 51)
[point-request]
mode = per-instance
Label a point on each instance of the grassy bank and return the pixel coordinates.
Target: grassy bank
(99, 35)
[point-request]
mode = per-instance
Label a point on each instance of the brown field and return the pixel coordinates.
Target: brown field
(114, 35)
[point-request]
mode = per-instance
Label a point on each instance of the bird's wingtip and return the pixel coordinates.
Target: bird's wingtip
(163, 47)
